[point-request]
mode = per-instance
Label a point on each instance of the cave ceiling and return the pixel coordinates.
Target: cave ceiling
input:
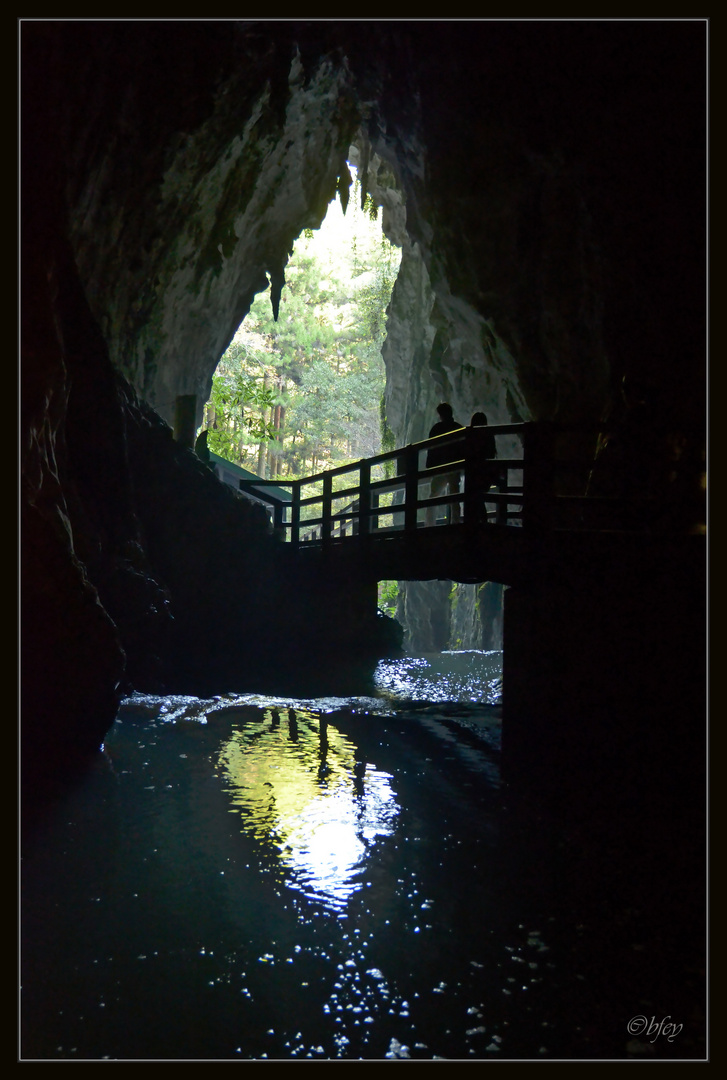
(546, 180)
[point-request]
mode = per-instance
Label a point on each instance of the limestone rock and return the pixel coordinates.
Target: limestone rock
(545, 181)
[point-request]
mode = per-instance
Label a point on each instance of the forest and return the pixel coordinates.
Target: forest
(305, 393)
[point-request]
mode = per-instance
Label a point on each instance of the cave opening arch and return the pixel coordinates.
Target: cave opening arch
(303, 391)
(172, 164)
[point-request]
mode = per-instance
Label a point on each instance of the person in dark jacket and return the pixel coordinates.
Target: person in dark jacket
(444, 483)
(483, 473)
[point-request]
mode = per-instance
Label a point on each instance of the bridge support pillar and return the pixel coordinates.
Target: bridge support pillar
(604, 677)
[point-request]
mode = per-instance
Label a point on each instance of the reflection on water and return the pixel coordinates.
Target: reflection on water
(255, 878)
(468, 675)
(298, 786)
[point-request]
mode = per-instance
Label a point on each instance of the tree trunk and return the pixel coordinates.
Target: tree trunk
(263, 445)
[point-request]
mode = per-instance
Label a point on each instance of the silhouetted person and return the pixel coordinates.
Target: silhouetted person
(489, 447)
(444, 483)
(482, 474)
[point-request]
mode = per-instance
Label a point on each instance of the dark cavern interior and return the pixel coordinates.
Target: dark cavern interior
(546, 183)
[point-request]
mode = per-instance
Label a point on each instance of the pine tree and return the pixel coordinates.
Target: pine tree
(303, 393)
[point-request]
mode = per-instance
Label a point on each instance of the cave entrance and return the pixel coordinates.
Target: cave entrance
(304, 393)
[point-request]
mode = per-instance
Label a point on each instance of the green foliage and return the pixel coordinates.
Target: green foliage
(303, 393)
(388, 441)
(239, 403)
(370, 208)
(388, 597)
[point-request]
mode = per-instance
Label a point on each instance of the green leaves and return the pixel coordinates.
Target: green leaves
(309, 385)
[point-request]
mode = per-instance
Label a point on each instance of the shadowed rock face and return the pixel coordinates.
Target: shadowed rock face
(213, 216)
(545, 182)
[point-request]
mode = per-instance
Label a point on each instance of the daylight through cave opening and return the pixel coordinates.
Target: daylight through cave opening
(304, 392)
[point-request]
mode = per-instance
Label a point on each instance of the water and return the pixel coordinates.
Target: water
(251, 878)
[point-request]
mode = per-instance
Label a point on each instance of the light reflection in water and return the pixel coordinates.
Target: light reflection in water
(300, 788)
(155, 927)
(467, 675)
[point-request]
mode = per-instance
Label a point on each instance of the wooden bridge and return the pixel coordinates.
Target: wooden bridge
(605, 555)
(377, 516)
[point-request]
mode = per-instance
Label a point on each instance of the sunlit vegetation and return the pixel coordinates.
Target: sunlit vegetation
(388, 595)
(296, 396)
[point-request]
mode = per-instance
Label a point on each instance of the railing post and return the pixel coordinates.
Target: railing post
(364, 498)
(411, 488)
(326, 511)
(538, 477)
(295, 515)
(278, 519)
(501, 509)
(399, 494)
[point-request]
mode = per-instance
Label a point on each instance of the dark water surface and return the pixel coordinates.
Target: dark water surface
(249, 878)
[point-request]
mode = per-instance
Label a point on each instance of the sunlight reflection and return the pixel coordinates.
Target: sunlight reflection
(462, 675)
(300, 787)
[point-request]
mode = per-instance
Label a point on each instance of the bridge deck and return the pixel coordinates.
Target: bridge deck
(453, 552)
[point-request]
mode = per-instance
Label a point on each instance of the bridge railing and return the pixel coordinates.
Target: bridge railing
(391, 492)
(550, 480)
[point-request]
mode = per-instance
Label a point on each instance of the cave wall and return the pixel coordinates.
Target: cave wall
(140, 570)
(544, 180)
(183, 210)
(477, 617)
(552, 219)
(439, 615)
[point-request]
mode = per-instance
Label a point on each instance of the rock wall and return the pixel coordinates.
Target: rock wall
(181, 215)
(545, 182)
(142, 571)
(439, 615)
(526, 206)
(477, 617)
(548, 216)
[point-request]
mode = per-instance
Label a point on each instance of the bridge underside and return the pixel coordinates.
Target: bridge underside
(454, 553)
(604, 675)
(508, 555)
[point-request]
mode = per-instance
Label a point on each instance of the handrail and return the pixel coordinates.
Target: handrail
(513, 491)
(364, 510)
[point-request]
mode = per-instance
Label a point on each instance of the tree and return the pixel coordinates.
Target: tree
(237, 407)
(302, 393)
